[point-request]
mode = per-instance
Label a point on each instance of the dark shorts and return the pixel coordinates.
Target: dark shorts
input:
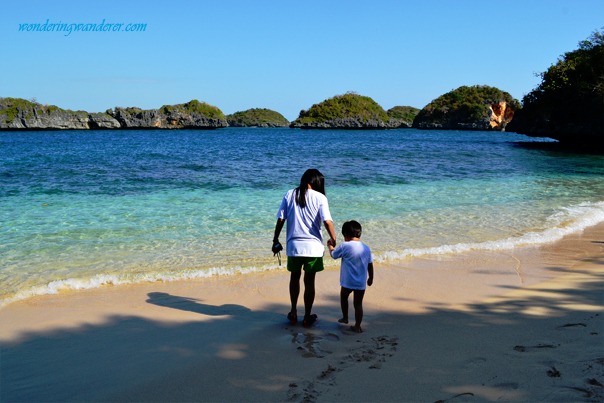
(310, 264)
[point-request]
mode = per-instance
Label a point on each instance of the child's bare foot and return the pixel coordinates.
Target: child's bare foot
(343, 320)
(356, 329)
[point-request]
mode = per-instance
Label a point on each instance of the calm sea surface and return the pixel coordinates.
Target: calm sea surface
(79, 209)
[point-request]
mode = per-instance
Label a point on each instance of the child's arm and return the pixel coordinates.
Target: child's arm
(331, 247)
(370, 272)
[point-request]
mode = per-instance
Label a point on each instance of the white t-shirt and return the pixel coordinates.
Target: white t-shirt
(304, 236)
(356, 257)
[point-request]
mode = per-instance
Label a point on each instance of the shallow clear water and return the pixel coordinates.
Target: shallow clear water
(83, 208)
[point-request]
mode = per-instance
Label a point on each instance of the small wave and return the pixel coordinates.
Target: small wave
(565, 222)
(54, 287)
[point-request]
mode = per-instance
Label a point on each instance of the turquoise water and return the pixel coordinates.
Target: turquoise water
(79, 209)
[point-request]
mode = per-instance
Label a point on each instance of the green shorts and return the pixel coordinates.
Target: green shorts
(310, 264)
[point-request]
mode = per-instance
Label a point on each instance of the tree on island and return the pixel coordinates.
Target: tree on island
(568, 105)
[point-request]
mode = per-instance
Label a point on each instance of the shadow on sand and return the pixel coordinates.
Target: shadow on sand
(240, 354)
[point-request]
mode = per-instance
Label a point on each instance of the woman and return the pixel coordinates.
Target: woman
(304, 208)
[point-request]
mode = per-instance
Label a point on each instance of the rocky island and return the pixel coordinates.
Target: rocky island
(478, 107)
(192, 115)
(568, 106)
(257, 117)
(402, 116)
(348, 111)
(20, 114)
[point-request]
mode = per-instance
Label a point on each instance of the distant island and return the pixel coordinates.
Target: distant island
(19, 114)
(568, 106)
(257, 117)
(478, 107)
(350, 111)
(402, 116)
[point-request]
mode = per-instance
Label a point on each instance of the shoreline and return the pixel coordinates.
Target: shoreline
(594, 216)
(518, 325)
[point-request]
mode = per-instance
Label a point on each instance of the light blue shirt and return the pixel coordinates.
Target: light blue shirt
(356, 257)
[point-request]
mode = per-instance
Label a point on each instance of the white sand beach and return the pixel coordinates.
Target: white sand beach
(524, 325)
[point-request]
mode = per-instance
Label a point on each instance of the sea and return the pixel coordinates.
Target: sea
(86, 209)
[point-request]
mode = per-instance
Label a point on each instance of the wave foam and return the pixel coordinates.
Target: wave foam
(565, 222)
(54, 287)
(568, 221)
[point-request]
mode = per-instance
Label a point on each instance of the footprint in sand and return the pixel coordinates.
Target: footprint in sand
(455, 396)
(553, 373)
(296, 393)
(572, 325)
(313, 389)
(526, 349)
(375, 351)
(593, 388)
(476, 361)
(578, 325)
(310, 344)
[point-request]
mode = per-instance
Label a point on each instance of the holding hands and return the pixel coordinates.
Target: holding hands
(331, 244)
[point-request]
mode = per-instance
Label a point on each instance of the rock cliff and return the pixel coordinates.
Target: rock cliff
(19, 114)
(98, 120)
(500, 114)
(136, 118)
(191, 115)
(349, 123)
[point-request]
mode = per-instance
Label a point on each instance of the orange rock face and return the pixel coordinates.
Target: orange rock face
(501, 115)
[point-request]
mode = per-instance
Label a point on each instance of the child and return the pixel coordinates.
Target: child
(356, 269)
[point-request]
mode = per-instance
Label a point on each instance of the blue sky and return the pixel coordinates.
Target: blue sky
(284, 55)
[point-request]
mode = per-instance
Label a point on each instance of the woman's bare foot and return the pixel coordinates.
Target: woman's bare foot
(343, 320)
(356, 329)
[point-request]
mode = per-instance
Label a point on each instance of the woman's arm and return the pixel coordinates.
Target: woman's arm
(331, 231)
(278, 228)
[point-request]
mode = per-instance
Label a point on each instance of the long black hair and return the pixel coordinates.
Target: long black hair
(311, 177)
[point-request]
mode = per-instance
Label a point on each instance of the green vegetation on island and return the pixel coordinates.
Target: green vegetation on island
(257, 117)
(568, 105)
(190, 115)
(478, 107)
(21, 114)
(347, 111)
(194, 107)
(404, 114)
(11, 108)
